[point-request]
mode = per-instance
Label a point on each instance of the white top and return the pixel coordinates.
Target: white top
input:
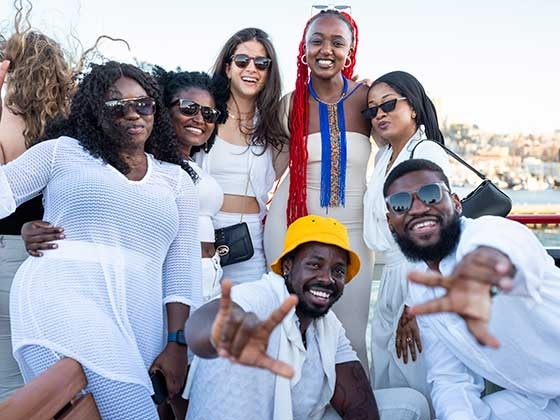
(130, 247)
(377, 235)
(525, 321)
(221, 163)
(222, 390)
(211, 197)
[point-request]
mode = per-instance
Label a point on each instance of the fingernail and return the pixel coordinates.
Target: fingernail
(61, 236)
(506, 283)
(54, 246)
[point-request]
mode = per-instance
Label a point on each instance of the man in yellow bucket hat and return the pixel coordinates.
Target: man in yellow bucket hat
(309, 367)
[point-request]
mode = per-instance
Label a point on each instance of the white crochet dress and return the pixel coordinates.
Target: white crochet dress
(130, 247)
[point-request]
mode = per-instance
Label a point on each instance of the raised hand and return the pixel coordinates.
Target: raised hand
(3, 71)
(408, 336)
(243, 338)
(38, 235)
(468, 290)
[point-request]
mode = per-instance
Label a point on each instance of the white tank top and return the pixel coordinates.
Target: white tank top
(229, 165)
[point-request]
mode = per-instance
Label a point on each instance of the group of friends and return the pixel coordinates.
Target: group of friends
(112, 186)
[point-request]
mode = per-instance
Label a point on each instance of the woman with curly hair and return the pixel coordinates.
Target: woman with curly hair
(39, 86)
(328, 153)
(250, 134)
(110, 177)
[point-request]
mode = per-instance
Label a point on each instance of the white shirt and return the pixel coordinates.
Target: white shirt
(526, 322)
(130, 248)
(222, 390)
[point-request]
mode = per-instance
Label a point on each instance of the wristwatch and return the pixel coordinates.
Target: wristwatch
(177, 337)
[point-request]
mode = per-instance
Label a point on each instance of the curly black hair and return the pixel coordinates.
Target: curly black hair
(88, 116)
(172, 82)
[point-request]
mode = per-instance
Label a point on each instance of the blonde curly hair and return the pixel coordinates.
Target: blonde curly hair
(40, 82)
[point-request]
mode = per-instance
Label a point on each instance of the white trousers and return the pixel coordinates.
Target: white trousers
(509, 405)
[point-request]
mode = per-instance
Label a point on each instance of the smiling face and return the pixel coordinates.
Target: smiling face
(426, 232)
(192, 130)
(328, 42)
(396, 126)
(132, 125)
(248, 81)
(316, 274)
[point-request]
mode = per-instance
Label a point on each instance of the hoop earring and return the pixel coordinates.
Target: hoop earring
(303, 60)
(348, 58)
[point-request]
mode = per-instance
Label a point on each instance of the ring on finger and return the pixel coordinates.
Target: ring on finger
(408, 339)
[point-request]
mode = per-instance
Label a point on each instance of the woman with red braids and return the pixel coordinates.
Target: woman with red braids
(329, 151)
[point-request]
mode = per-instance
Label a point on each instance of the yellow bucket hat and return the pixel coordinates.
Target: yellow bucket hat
(314, 228)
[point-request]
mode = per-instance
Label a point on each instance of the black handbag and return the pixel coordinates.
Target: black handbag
(234, 244)
(486, 199)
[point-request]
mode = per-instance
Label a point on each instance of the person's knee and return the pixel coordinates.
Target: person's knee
(402, 404)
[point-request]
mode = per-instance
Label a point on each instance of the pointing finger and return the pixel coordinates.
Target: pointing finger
(280, 313)
(442, 304)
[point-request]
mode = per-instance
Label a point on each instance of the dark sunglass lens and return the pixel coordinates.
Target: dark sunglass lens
(370, 113)
(430, 194)
(188, 107)
(389, 105)
(400, 202)
(241, 60)
(143, 107)
(210, 115)
(262, 63)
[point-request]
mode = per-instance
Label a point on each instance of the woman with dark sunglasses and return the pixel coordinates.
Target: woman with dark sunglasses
(111, 177)
(401, 115)
(250, 134)
(328, 154)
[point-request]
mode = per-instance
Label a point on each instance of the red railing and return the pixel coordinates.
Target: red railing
(534, 219)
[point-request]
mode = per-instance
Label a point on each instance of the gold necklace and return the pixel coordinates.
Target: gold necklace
(238, 117)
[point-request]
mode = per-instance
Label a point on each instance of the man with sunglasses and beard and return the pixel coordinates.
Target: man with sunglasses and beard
(475, 276)
(309, 370)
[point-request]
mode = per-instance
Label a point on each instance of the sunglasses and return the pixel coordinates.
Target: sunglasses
(388, 106)
(190, 109)
(243, 60)
(118, 108)
(338, 7)
(429, 194)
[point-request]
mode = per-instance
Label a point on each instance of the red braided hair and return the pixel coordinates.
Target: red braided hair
(297, 199)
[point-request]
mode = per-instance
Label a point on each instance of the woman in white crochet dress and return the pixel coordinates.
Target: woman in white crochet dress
(401, 116)
(131, 248)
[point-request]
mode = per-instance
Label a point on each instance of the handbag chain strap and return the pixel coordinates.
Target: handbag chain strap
(246, 186)
(453, 155)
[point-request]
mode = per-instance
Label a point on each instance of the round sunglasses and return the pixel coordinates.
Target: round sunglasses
(243, 60)
(118, 108)
(388, 106)
(191, 108)
(428, 194)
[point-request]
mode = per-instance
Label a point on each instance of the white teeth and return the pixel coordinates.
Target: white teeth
(424, 224)
(324, 61)
(194, 130)
(318, 293)
(249, 79)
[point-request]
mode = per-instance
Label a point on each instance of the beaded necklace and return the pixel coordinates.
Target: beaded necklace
(333, 147)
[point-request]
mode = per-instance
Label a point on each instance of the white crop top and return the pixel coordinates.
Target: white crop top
(211, 197)
(230, 167)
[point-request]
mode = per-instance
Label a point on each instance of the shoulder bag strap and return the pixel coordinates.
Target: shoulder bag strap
(452, 154)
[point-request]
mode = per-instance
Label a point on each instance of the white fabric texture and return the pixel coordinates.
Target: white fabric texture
(353, 308)
(12, 254)
(114, 400)
(130, 247)
(211, 198)
(212, 273)
(223, 390)
(387, 369)
(257, 163)
(255, 267)
(525, 321)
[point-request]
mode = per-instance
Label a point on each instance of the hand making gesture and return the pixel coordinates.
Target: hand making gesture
(242, 338)
(468, 290)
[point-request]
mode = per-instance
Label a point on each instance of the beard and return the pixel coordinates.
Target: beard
(449, 239)
(304, 308)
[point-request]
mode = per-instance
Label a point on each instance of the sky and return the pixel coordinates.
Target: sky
(494, 63)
